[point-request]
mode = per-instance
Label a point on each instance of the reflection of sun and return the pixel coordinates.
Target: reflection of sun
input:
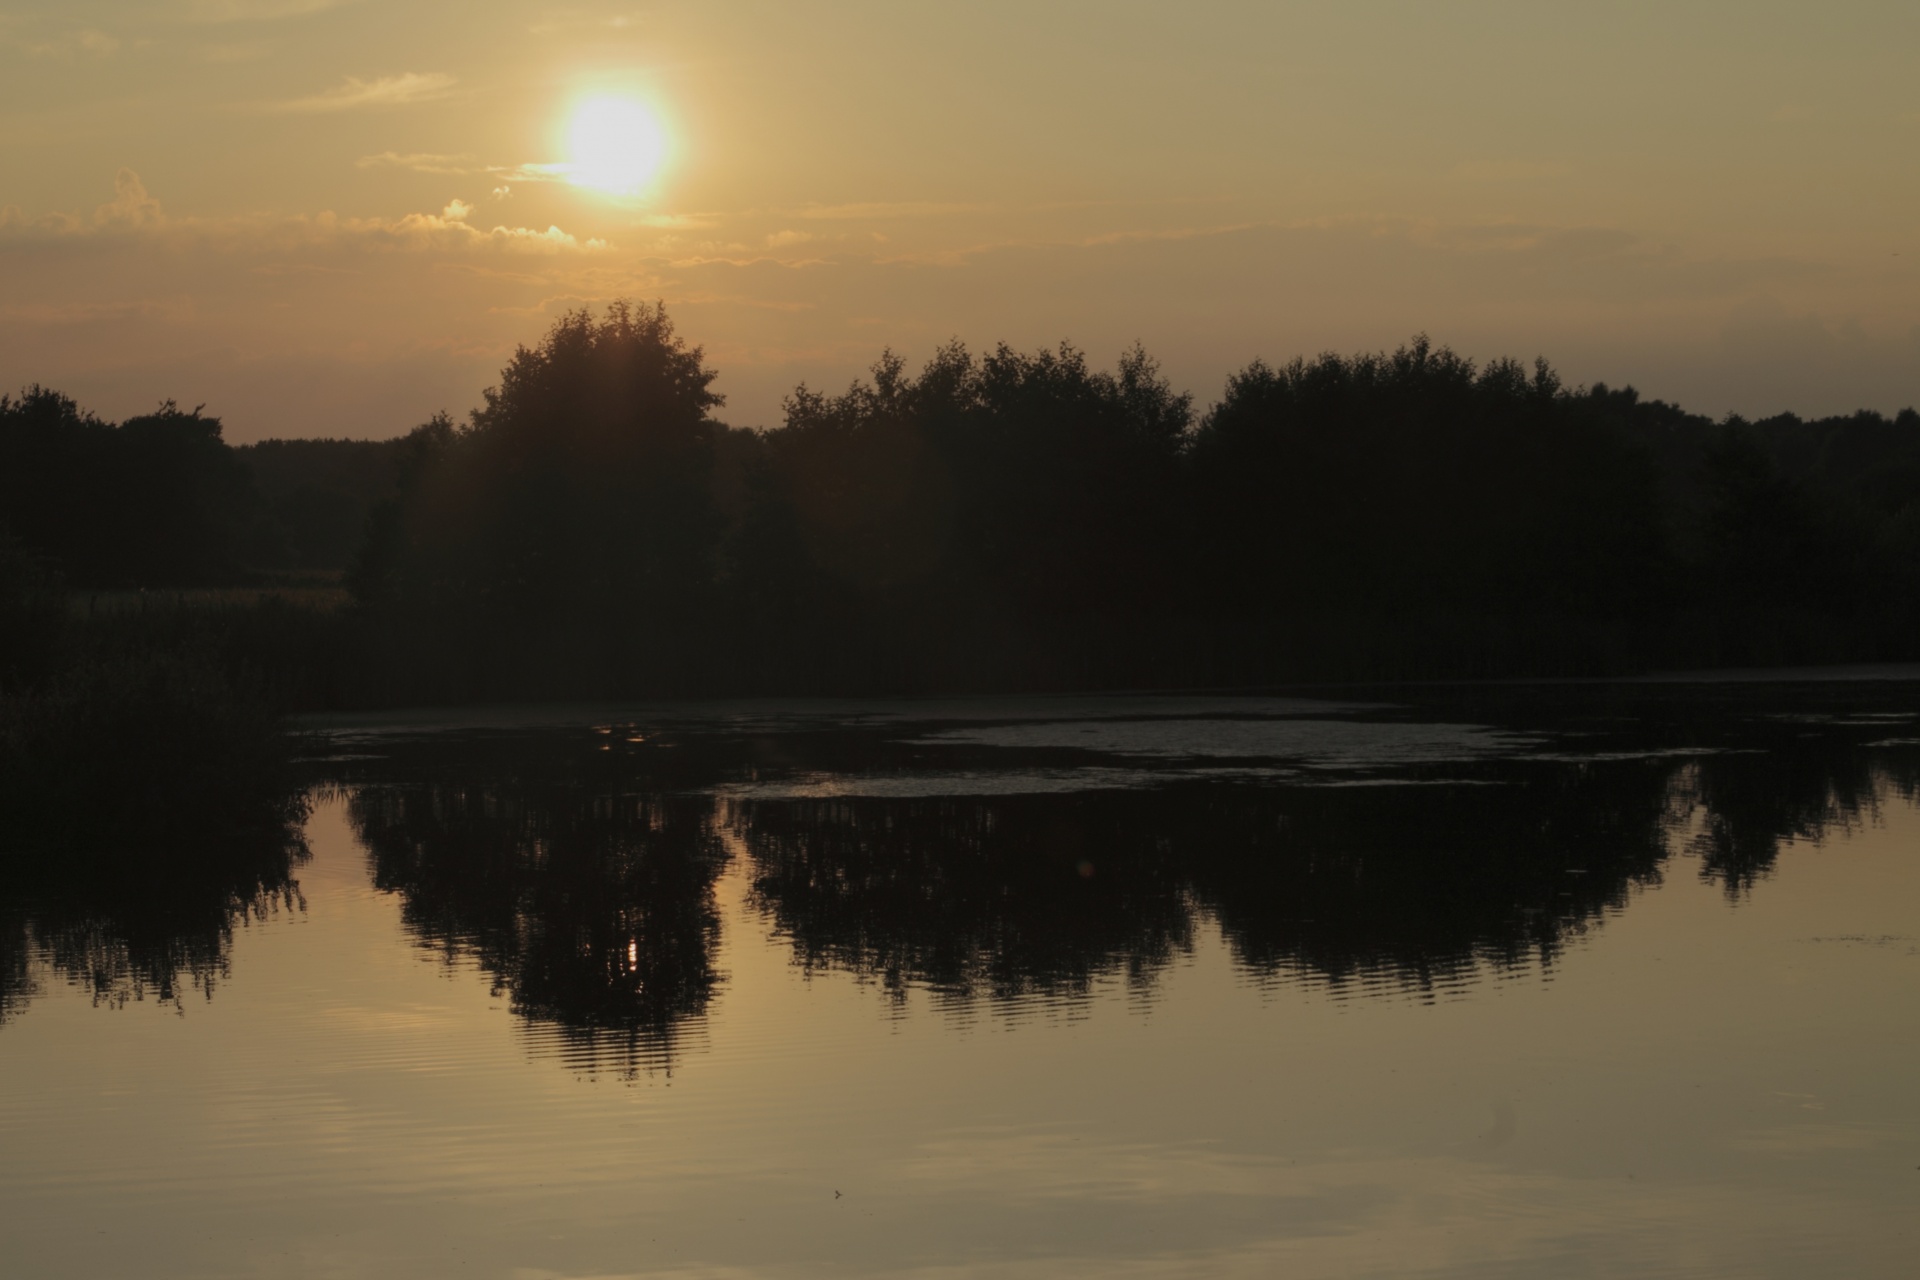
(617, 145)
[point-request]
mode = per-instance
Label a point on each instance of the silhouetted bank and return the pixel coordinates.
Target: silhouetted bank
(1017, 521)
(148, 800)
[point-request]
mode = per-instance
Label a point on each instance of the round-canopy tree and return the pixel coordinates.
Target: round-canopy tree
(580, 493)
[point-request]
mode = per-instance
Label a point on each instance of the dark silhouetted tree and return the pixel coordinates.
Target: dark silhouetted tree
(1416, 483)
(580, 495)
(157, 501)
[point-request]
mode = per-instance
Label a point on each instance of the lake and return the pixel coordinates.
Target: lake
(1509, 980)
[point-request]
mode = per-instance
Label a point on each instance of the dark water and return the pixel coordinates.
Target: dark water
(1474, 982)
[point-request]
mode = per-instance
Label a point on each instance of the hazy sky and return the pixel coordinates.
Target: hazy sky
(335, 217)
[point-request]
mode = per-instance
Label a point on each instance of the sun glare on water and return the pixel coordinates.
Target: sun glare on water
(616, 145)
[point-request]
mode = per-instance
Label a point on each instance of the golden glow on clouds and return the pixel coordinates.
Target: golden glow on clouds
(386, 91)
(348, 214)
(615, 145)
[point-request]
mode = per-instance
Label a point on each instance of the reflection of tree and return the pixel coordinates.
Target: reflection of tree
(1002, 897)
(1007, 895)
(147, 805)
(1420, 886)
(594, 912)
(17, 986)
(1797, 789)
(154, 919)
(591, 899)
(1402, 887)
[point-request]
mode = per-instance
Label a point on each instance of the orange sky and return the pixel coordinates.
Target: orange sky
(327, 217)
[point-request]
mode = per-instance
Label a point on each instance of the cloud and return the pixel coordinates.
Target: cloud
(421, 162)
(447, 230)
(532, 172)
(131, 205)
(556, 22)
(387, 91)
(134, 209)
(897, 209)
(79, 42)
(680, 221)
(321, 323)
(256, 10)
(461, 166)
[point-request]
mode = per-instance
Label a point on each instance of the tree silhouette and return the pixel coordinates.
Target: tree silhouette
(157, 501)
(580, 490)
(1011, 520)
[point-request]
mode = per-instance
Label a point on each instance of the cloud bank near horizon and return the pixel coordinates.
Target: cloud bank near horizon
(327, 325)
(346, 215)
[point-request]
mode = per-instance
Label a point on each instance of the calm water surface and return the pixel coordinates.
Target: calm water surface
(1508, 982)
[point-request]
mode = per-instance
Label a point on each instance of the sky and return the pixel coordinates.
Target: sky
(337, 217)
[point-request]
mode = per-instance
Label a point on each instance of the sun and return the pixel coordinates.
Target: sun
(616, 145)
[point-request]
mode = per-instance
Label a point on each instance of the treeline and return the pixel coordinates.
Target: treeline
(130, 737)
(161, 500)
(1023, 520)
(136, 740)
(1007, 521)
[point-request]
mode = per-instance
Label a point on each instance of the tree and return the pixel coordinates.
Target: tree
(159, 500)
(1025, 485)
(1418, 483)
(579, 494)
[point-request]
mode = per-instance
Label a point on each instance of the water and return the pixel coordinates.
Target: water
(1483, 982)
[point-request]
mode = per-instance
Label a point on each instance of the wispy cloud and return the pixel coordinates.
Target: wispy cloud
(132, 208)
(421, 162)
(896, 209)
(448, 229)
(558, 21)
(77, 42)
(460, 166)
(387, 91)
(532, 172)
(256, 10)
(679, 221)
(134, 211)
(78, 313)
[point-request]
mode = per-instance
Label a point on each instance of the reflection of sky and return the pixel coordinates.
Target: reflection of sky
(779, 715)
(1315, 744)
(1347, 744)
(1699, 1090)
(1003, 782)
(1271, 738)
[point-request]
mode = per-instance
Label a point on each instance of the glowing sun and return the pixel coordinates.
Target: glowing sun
(616, 145)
